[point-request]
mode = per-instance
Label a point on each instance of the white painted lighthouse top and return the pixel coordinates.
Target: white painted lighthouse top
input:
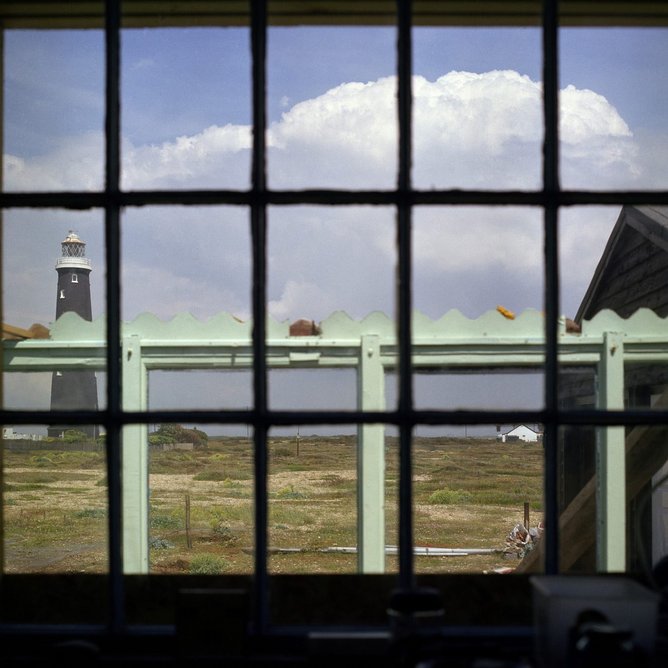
(73, 253)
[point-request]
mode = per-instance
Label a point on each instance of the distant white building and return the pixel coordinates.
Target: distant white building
(8, 434)
(520, 433)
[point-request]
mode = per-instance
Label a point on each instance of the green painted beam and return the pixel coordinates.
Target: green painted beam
(370, 460)
(611, 461)
(135, 492)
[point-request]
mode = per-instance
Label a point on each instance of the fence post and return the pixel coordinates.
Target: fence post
(189, 539)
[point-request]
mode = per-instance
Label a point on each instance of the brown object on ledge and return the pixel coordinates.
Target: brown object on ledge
(36, 331)
(304, 327)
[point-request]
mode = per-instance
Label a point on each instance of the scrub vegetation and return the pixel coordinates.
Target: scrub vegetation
(469, 493)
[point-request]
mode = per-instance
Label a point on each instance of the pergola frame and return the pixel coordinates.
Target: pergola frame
(453, 343)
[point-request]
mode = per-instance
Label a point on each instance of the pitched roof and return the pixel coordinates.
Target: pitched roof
(651, 223)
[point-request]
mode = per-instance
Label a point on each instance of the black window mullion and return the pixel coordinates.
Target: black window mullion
(551, 258)
(404, 218)
(259, 240)
(113, 423)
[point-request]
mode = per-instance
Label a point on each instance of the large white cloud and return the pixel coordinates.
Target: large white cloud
(471, 130)
(216, 157)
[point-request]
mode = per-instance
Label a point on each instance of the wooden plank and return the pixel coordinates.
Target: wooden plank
(36, 331)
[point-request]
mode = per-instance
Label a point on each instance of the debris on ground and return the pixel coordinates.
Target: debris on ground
(520, 541)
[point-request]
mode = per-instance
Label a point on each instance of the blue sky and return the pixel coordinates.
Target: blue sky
(185, 116)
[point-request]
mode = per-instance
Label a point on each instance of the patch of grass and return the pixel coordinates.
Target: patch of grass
(168, 522)
(224, 533)
(211, 475)
(450, 497)
(37, 477)
(25, 487)
(234, 514)
(207, 564)
(482, 484)
(286, 513)
(92, 513)
(29, 497)
(283, 452)
(69, 459)
(41, 460)
(176, 461)
(289, 492)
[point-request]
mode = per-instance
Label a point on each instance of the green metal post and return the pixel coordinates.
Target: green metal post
(135, 462)
(611, 461)
(370, 461)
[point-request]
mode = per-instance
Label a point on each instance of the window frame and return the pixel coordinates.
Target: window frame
(404, 198)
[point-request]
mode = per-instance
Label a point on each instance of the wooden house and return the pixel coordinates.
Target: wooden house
(631, 274)
(633, 270)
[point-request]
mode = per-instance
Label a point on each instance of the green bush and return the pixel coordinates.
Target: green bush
(450, 497)
(167, 434)
(207, 564)
(165, 522)
(223, 532)
(75, 436)
(41, 460)
(289, 492)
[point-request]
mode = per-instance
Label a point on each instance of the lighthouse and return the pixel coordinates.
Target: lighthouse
(73, 390)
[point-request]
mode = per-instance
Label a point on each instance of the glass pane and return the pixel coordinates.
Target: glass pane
(200, 390)
(312, 503)
(186, 108)
(584, 233)
(480, 388)
(53, 110)
(477, 108)
(180, 260)
(332, 125)
(327, 259)
(54, 500)
(201, 499)
(478, 498)
(53, 286)
(613, 96)
(332, 500)
(645, 385)
(311, 389)
(474, 259)
(577, 384)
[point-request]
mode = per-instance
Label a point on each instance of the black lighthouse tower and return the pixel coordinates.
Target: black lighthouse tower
(73, 390)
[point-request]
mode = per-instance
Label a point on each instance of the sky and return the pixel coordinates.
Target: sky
(332, 123)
